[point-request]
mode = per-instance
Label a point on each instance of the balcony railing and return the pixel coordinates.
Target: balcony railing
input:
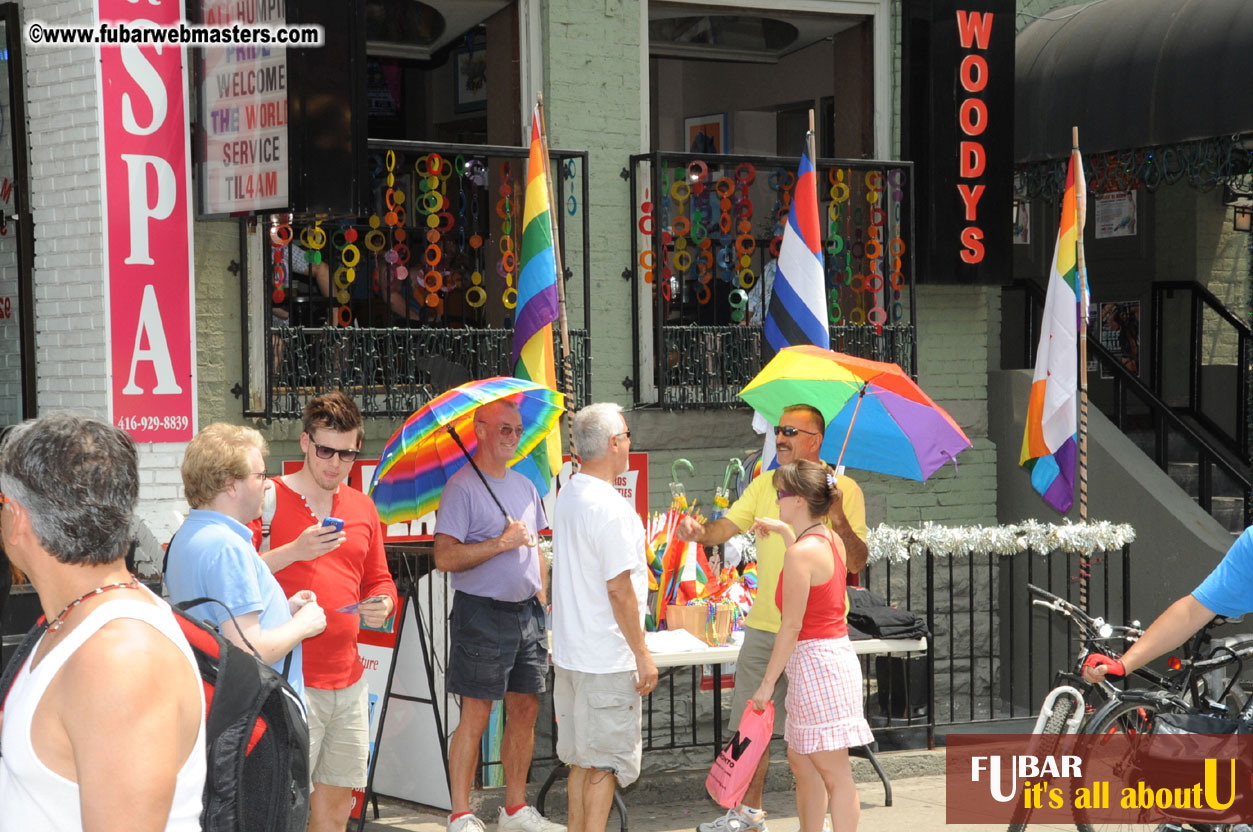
(706, 232)
(392, 372)
(419, 295)
(706, 366)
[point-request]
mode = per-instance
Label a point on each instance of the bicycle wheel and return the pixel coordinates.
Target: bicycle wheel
(1054, 725)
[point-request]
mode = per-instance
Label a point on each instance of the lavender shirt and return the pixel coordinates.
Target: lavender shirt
(468, 513)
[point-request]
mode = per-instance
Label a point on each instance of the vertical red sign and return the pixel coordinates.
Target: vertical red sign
(147, 227)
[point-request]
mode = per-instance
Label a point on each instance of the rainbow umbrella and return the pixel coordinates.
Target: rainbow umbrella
(438, 439)
(878, 418)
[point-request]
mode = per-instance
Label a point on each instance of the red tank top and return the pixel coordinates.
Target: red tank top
(824, 612)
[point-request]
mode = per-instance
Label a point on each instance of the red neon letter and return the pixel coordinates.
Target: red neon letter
(972, 160)
(973, 251)
(971, 66)
(970, 198)
(974, 26)
(973, 116)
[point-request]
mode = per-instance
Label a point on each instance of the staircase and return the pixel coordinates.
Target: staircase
(1226, 499)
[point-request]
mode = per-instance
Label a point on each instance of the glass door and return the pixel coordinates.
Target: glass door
(17, 353)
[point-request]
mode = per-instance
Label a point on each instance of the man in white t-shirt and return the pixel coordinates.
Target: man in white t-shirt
(600, 587)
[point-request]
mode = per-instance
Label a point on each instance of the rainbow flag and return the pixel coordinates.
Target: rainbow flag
(1050, 438)
(537, 305)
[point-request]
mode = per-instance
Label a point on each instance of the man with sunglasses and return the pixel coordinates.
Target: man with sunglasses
(211, 555)
(498, 636)
(341, 569)
(798, 436)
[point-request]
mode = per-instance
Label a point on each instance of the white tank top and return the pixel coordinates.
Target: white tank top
(32, 796)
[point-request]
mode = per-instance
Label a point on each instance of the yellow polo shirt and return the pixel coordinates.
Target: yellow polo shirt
(759, 500)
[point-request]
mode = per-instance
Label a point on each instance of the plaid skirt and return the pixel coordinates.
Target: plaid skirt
(824, 697)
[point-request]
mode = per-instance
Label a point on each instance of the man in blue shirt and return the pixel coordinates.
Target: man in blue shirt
(1228, 591)
(211, 555)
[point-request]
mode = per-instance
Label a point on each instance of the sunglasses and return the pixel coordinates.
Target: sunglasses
(783, 494)
(323, 452)
(790, 431)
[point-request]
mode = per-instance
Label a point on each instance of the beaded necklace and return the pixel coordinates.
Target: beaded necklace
(57, 622)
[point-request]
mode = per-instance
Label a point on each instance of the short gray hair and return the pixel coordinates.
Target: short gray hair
(78, 479)
(593, 427)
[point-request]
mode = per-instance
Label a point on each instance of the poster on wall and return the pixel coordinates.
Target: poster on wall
(1022, 223)
(146, 160)
(1116, 214)
(1120, 334)
(242, 156)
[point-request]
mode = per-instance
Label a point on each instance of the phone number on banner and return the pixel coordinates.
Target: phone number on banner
(142, 423)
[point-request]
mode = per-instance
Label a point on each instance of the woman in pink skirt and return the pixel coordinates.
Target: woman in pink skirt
(824, 697)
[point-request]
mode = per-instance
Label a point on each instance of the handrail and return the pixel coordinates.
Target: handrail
(1163, 415)
(1198, 295)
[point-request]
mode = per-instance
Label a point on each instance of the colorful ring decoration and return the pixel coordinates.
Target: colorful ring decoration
(747, 279)
(898, 311)
(745, 209)
(432, 281)
(281, 234)
(857, 316)
(278, 296)
(343, 316)
(680, 225)
(697, 171)
(745, 173)
(402, 251)
(874, 283)
(682, 260)
(509, 298)
(648, 259)
(509, 260)
(313, 238)
(704, 294)
(878, 316)
(374, 240)
(680, 190)
(724, 187)
(433, 255)
(834, 313)
(344, 277)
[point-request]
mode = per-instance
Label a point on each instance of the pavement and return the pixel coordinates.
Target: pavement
(665, 802)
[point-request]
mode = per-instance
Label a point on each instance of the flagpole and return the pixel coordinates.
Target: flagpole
(567, 369)
(1081, 203)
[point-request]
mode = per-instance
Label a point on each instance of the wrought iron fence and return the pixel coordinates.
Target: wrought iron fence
(706, 234)
(391, 372)
(414, 297)
(707, 366)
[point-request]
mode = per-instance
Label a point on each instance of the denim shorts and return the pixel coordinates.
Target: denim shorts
(496, 647)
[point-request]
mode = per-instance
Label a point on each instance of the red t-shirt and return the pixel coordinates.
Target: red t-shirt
(824, 611)
(355, 570)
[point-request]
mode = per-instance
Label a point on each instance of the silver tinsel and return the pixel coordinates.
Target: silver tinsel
(900, 544)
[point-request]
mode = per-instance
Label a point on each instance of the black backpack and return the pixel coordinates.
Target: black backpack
(256, 736)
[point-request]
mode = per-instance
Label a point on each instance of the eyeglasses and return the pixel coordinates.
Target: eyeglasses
(783, 494)
(625, 433)
(790, 431)
(323, 452)
(507, 430)
(262, 474)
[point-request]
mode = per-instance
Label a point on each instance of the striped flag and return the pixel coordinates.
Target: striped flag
(537, 306)
(1050, 438)
(797, 313)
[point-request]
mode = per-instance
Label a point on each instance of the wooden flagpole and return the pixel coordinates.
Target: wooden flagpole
(1081, 203)
(567, 365)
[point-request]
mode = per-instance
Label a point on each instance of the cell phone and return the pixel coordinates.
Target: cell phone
(334, 521)
(354, 607)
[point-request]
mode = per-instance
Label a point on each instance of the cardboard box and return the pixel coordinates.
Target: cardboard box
(695, 619)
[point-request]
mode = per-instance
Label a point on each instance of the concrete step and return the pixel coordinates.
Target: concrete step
(1229, 511)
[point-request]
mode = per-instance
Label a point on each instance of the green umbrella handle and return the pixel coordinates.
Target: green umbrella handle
(680, 463)
(735, 466)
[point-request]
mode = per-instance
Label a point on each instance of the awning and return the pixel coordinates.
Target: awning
(1133, 73)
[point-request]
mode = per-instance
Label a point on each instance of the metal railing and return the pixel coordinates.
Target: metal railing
(415, 297)
(1132, 406)
(1195, 323)
(706, 231)
(707, 366)
(392, 372)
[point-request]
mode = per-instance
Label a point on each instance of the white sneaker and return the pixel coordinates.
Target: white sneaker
(466, 823)
(526, 819)
(735, 821)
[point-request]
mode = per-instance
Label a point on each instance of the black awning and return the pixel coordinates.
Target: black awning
(1133, 73)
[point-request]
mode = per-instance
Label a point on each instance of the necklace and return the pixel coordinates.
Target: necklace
(57, 622)
(807, 528)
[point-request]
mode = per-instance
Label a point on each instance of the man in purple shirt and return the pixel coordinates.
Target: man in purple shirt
(499, 643)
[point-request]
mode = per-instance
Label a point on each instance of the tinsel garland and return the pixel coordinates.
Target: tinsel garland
(896, 544)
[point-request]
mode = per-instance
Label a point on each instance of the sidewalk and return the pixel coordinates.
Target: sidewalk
(917, 805)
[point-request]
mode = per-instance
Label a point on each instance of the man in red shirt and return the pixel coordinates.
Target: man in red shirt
(342, 568)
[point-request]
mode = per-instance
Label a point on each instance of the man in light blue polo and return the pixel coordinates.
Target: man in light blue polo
(211, 555)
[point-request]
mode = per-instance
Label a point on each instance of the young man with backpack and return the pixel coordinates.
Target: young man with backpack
(211, 555)
(103, 726)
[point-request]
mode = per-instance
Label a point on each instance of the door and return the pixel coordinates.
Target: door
(17, 320)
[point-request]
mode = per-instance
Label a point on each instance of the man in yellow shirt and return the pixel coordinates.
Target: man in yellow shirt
(798, 436)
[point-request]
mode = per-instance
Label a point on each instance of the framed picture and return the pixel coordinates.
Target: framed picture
(469, 74)
(706, 134)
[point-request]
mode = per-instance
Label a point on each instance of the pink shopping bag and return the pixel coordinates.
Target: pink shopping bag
(733, 769)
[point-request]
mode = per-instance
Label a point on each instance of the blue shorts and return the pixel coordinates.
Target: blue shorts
(496, 647)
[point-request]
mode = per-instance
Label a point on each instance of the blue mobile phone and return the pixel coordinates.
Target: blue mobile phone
(334, 521)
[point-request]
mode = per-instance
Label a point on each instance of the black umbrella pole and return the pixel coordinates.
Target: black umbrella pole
(453, 433)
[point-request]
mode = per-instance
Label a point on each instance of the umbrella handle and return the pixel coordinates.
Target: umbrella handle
(735, 466)
(452, 431)
(839, 463)
(680, 463)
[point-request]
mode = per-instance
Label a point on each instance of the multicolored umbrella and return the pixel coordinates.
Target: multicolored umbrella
(878, 418)
(424, 453)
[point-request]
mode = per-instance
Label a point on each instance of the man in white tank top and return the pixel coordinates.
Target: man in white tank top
(104, 725)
